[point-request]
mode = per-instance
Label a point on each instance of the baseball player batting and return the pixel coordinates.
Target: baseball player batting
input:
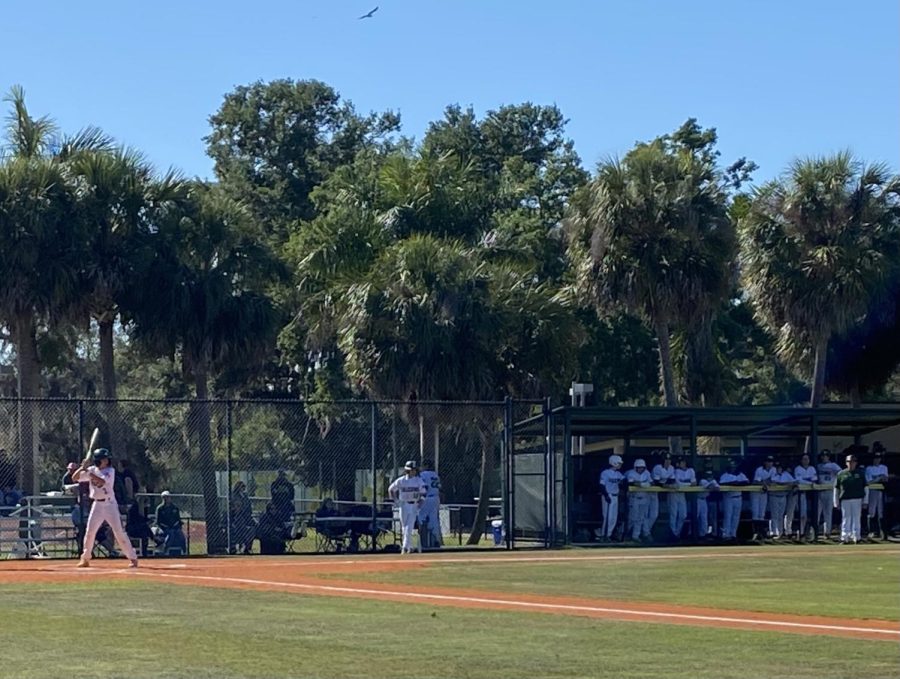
(101, 475)
(408, 491)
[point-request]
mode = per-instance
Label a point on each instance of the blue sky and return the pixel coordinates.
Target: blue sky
(777, 78)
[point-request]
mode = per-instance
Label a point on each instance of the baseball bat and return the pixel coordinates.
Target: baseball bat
(94, 438)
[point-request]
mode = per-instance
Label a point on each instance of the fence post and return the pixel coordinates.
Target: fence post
(228, 432)
(507, 468)
(80, 429)
(374, 411)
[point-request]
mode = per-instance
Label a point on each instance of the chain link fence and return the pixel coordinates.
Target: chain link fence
(253, 476)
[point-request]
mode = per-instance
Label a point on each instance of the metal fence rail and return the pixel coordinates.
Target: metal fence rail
(216, 457)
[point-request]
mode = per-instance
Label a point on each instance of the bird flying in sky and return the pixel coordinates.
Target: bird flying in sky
(370, 14)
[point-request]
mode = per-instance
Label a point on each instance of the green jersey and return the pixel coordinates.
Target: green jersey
(851, 485)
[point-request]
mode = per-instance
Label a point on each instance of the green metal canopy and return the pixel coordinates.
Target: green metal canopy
(749, 422)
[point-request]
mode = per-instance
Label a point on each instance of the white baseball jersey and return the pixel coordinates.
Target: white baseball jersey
(875, 472)
(609, 480)
(762, 474)
(432, 483)
(827, 471)
(408, 488)
(728, 478)
(663, 474)
(709, 484)
(685, 477)
(641, 478)
(104, 492)
(784, 478)
(806, 475)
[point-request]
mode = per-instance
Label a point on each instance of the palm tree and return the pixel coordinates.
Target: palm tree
(205, 299)
(41, 250)
(651, 235)
(817, 247)
(120, 198)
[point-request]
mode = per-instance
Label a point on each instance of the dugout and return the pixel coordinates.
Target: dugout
(555, 456)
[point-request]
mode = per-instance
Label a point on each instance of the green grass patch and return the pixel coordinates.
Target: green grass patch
(134, 629)
(853, 585)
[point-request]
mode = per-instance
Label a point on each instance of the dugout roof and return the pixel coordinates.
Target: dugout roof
(750, 422)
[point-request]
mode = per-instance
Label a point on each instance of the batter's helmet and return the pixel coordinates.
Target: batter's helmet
(615, 459)
(100, 454)
(411, 464)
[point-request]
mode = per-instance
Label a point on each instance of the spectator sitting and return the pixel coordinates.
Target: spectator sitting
(271, 531)
(168, 520)
(105, 537)
(282, 491)
(137, 526)
(10, 496)
(326, 509)
(243, 527)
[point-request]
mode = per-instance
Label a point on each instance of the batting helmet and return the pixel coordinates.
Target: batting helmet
(411, 464)
(100, 454)
(615, 460)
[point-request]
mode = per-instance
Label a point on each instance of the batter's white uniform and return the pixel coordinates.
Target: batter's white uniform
(827, 472)
(409, 491)
(731, 504)
(430, 514)
(609, 481)
(778, 503)
(104, 508)
(876, 474)
(806, 477)
(678, 501)
(639, 504)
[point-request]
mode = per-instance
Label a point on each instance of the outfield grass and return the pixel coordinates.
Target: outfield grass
(134, 629)
(851, 585)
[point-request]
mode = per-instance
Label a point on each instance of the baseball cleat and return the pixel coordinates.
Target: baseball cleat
(83, 564)
(134, 563)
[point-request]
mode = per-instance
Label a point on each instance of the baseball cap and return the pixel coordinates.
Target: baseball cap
(770, 458)
(615, 459)
(411, 464)
(165, 493)
(639, 463)
(71, 466)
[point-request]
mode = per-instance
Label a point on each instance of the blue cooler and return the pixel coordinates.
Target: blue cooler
(497, 530)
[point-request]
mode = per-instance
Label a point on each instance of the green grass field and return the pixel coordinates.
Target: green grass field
(114, 627)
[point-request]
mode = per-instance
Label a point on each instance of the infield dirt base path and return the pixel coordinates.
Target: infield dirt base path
(300, 577)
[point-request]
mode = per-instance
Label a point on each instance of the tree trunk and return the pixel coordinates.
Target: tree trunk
(667, 375)
(215, 535)
(666, 371)
(818, 387)
(855, 395)
(27, 382)
(107, 360)
(488, 466)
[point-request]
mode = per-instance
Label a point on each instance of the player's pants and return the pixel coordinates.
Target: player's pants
(790, 512)
(731, 508)
(876, 504)
(652, 509)
(806, 500)
(777, 509)
(851, 512)
(758, 504)
(677, 513)
(430, 516)
(825, 513)
(639, 515)
(107, 511)
(409, 512)
(702, 517)
(610, 515)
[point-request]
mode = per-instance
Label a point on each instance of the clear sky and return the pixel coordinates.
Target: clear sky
(778, 78)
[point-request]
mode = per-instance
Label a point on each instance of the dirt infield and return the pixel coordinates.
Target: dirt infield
(299, 576)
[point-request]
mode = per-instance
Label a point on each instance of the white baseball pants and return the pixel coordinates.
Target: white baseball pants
(825, 512)
(610, 515)
(677, 513)
(731, 508)
(106, 511)
(777, 511)
(429, 515)
(409, 511)
(758, 503)
(851, 513)
(639, 507)
(876, 504)
(702, 517)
